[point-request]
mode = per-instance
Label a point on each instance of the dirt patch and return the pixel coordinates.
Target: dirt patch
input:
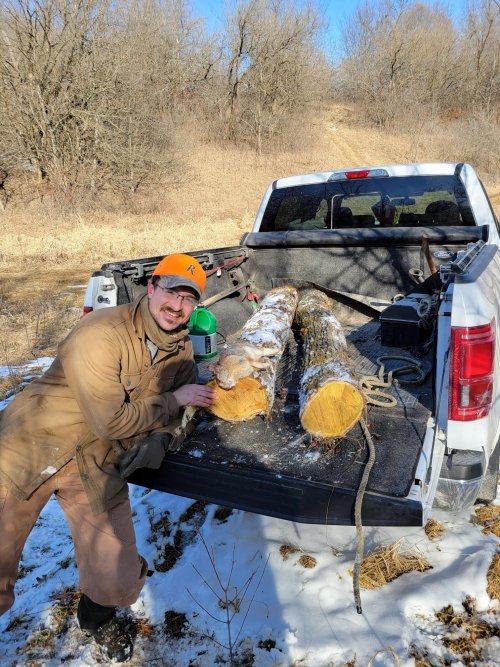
(170, 555)
(160, 527)
(196, 509)
(222, 514)
(175, 624)
(19, 621)
(194, 517)
(471, 629)
(145, 628)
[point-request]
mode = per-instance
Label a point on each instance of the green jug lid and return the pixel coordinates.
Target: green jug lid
(202, 322)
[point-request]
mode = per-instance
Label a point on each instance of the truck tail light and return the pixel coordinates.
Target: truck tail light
(358, 173)
(87, 310)
(472, 353)
(362, 173)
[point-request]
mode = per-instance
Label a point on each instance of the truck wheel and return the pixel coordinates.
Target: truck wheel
(488, 490)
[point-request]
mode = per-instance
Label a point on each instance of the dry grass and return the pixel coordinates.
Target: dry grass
(35, 316)
(10, 383)
(307, 562)
(145, 628)
(64, 609)
(464, 631)
(389, 562)
(489, 517)
(40, 644)
(493, 578)
(433, 529)
(90, 242)
(286, 550)
(464, 635)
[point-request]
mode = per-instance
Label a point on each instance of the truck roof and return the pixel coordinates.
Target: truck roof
(414, 169)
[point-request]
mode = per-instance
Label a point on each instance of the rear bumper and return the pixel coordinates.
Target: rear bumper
(302, 501)
(462, 473)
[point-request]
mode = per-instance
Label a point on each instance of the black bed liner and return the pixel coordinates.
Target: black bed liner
(273, 467)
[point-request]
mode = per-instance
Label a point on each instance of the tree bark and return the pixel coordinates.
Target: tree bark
(246, 372)
(330, 398)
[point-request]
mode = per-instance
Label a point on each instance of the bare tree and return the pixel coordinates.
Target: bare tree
(480, 57)
(88, 92)
(45, 47)
(169, 55)
(272, 67)
(399, 57)
(404, 60)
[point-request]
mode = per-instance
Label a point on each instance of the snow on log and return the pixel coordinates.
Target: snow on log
(246, 373)
(330, 399)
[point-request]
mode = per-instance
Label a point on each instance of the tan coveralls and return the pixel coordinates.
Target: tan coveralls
(63, 434)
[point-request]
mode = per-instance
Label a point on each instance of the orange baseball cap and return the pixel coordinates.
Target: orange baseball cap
(181, 271)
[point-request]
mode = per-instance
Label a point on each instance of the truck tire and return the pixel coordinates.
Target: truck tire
(488, 489)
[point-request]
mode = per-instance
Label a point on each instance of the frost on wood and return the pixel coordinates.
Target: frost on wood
(331, 401)
(246, 373)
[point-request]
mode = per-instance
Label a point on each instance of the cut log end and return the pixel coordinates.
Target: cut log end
(332, 410)
(244, 401)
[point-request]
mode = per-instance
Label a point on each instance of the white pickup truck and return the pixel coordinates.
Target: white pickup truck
(410, 256)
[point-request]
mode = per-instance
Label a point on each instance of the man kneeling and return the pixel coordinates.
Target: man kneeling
(108, 404)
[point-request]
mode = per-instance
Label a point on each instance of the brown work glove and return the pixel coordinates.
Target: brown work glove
(146, 453)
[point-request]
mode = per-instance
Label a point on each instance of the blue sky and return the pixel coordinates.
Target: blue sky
(335, 12)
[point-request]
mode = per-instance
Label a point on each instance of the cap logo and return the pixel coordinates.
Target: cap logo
(190, 268)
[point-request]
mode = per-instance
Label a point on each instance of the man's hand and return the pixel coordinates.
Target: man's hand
(199, 395)
(147, 453)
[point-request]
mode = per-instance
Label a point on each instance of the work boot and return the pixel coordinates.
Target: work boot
(112, 634)
(114, 638)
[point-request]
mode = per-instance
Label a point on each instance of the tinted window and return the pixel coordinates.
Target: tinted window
(300, 207)
(410, 201)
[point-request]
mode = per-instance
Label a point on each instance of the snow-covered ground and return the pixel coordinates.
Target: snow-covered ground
(231, 587)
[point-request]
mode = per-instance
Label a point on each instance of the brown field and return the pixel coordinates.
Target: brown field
(44, 253)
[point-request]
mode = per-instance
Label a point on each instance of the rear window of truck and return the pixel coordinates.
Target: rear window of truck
(410, 201)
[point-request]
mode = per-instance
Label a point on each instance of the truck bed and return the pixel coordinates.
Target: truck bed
(272, 467)
(318, 481)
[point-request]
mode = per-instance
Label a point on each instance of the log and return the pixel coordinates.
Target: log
(246, 373)
(330, 398)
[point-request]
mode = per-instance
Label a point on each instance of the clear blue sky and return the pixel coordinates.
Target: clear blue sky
(335, 12)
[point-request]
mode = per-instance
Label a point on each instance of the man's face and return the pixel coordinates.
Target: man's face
(169, 308)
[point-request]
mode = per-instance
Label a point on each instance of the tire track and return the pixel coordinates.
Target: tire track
(352, 146)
